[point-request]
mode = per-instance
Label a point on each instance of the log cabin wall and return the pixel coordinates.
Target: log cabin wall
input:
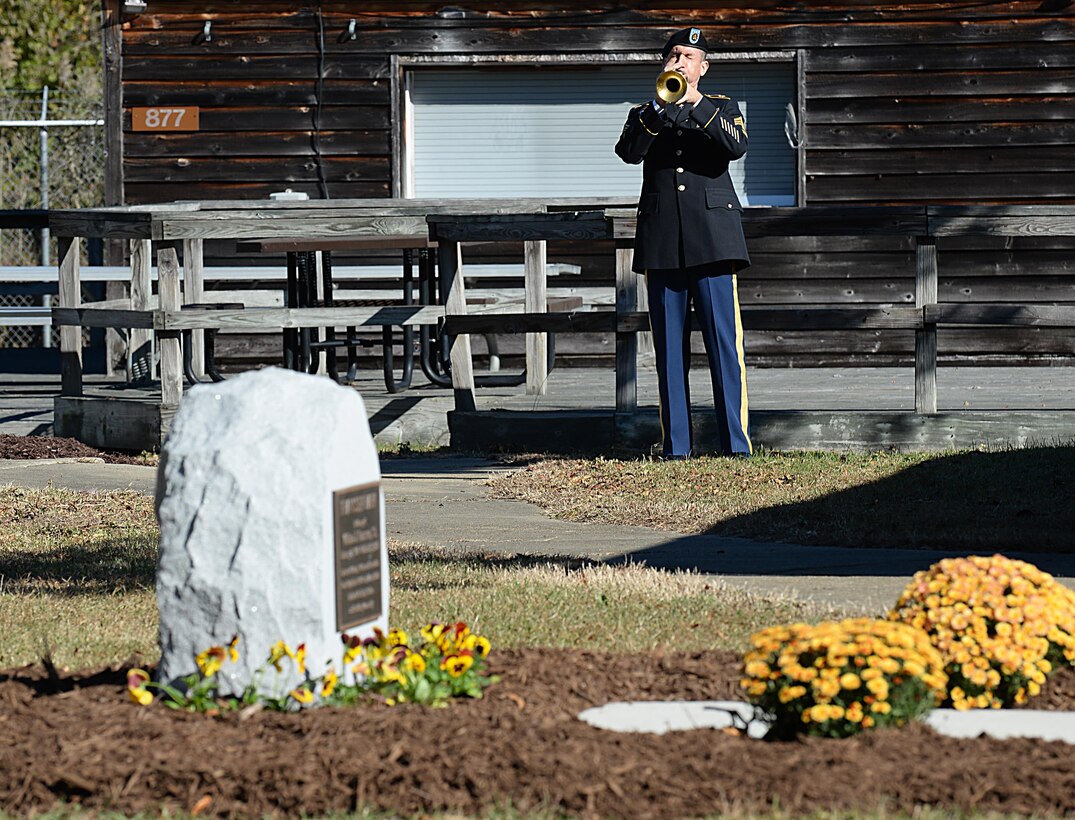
(897, 103)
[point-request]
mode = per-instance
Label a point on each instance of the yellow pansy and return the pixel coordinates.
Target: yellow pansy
(328, 682)
(136, 687)
(278, 652)
(210, 661)
(457, 665)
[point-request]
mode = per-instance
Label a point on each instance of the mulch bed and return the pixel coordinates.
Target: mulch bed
(34, 447)
(76, 738)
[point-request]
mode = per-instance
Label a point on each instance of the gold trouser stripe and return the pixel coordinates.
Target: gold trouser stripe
(744, 409)
(660, 408)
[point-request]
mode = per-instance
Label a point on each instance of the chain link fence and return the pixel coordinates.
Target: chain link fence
(51, 155)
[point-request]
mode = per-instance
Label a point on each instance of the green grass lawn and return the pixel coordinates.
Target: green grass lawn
(77, 585)
(77, 569)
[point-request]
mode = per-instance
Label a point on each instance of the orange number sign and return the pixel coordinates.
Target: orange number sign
(174, 118)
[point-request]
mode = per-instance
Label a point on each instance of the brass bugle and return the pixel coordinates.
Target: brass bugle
(671, 86)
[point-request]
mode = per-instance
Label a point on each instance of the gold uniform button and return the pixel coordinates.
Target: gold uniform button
(679, 152)
(729, 205)
(679, 170)
(683, 187)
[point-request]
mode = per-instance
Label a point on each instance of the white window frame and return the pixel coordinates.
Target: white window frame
(402, 114)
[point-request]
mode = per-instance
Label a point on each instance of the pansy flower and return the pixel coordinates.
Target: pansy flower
(328, 682)
(302, 695)
(210, 661)
(136, 687)
(279, 651)
(457, 665)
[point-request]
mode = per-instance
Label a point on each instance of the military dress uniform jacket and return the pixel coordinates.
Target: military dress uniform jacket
(688, 212)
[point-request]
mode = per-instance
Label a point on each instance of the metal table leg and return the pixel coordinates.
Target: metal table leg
(291, 299)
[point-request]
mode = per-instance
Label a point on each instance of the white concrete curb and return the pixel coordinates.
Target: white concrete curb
(658, 717)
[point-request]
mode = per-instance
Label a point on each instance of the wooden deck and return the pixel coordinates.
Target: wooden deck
(823, 408)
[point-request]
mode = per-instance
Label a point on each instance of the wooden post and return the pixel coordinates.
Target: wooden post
(536, 300)
(450, 260)
(626, 343)
(140, 347)
(70, 249)
(171, 353)
(925, 348)
(193, 294)
(644, 337)
(116, 340)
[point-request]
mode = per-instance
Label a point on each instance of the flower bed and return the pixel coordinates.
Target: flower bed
(1001, 625)
(835, 679)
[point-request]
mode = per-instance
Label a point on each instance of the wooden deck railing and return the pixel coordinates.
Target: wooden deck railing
(533, 223)
(924, 223)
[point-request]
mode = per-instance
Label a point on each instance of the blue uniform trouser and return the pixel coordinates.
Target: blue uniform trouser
(712, 290)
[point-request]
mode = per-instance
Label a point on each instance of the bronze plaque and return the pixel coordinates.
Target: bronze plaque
(357, 526)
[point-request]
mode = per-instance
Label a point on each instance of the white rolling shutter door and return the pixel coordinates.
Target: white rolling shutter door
(492, 132)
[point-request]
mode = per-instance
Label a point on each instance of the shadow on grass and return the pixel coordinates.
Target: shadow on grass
(88, 568)
(998, 501)
(1015, 502)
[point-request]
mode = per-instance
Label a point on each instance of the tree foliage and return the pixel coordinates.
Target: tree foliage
(55, 43)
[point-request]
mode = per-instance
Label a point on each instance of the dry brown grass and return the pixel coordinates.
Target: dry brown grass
(1001, 500)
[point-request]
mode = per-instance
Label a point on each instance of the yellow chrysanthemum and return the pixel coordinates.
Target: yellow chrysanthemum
(996, 621)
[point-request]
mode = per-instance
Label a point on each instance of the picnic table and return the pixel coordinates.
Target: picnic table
(312, 224)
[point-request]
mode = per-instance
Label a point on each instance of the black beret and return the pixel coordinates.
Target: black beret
(690, 37)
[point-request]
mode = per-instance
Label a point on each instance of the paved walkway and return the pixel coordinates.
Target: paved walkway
(443, 502)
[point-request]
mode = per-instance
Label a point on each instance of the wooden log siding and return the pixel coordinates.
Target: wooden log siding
(902, 103)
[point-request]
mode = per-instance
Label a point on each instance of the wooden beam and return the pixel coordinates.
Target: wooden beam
(269, 224)
(170, 349)
(570, 225)
(102, 317)
(572, 322)
(140, 365)
(194, 294)
(1001, 314)
(70, 250)
(535, 300)
(450, 262)
(271, 318)
(100, 223)
(1014, 220)
(925, 370)
(626, 341)
(896, 317)
(112, 43)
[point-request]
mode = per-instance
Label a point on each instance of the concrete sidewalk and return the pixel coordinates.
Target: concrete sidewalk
(443, 502)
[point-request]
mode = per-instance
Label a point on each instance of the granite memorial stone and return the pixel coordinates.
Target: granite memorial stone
(272, 526)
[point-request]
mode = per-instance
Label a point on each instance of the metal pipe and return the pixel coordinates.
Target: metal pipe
(43, 170)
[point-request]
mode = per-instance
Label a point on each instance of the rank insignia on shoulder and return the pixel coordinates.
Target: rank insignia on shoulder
(718, 97)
